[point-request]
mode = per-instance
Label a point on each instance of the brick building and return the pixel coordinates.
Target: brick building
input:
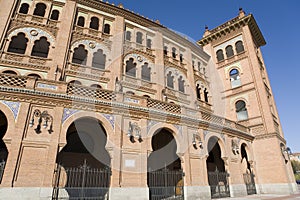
(99, 102)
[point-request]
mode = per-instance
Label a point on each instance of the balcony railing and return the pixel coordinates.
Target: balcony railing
(36, 19)
(159, 105)
(25, 60)
(78, 90)
(73, 90)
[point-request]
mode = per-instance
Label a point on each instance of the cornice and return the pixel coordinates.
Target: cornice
(233, 24)
(104, 106)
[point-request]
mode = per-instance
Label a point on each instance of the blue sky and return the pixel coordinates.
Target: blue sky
(279, 22)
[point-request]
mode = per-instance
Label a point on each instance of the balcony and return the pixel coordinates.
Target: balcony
(25, 61)
(29, 87)
(87, 71)
(96, 34)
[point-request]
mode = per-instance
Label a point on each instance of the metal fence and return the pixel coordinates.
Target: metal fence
(250, 183)
(81, 183)
(166, 184)
(219, 185)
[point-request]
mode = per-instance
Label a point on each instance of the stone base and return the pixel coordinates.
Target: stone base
(129, 194)
(196, 192)
(25, 193)
(284, 188)
(238, 190)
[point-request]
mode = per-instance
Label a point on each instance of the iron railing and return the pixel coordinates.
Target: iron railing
(250, 183)
(219, 186)
(166, 184)
(81, 183)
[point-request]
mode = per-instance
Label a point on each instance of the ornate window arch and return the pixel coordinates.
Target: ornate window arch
(241, 110)
(10, 72)
(106, 29)
(130, 68)
(98, 52)
(174, 52)
(24, 8)
(220, 55)
(40, 9)
(139, 38)
(54, 15)
(239, 46)
(235, 78)
(34, 75)
(99, 59)
(229, 51)
(146, 72)
(181, 84)
(170, 80)
(18, 44)
(41, 48)
(128, 36)
(80, 55)
(81, 21)
(94, 24)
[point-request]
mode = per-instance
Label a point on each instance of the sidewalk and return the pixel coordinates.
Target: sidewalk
(267, 196)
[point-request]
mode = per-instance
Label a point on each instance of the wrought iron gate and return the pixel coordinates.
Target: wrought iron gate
(2, 166)
(166, 184)
(219, 186)
(81, 183)
(250, 183)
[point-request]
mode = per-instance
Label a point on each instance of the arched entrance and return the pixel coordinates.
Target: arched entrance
(165, 175)
(247, 171)
(217, 176)
(83, 164)
(3, 149)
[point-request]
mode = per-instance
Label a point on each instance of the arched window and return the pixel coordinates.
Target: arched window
(80, 55)
(181, 84)
(11, 72)
(199, 66)
(139, 38)
(18, 44)
(40, 10)
(149, 43)
(81, 21)
(146, 72)
(130, 67)
(106, 28)
(99, 59)
(24, 8)
(170, 80)
(75, 82)
(130, 93)
(198, 91)
(241, 110)
(229, 51)
(181, 58)
(205, 95)
(235, 78)
(96, 86)
(128, 36)
(239, 47)
(34, 76)
(174, 52)
(54, 15)
(41, 48)
(94, 24)
(220, 55)
(165, 50)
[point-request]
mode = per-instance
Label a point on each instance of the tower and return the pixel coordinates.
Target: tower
(235, 49)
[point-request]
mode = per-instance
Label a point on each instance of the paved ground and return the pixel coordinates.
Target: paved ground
(268, 196)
